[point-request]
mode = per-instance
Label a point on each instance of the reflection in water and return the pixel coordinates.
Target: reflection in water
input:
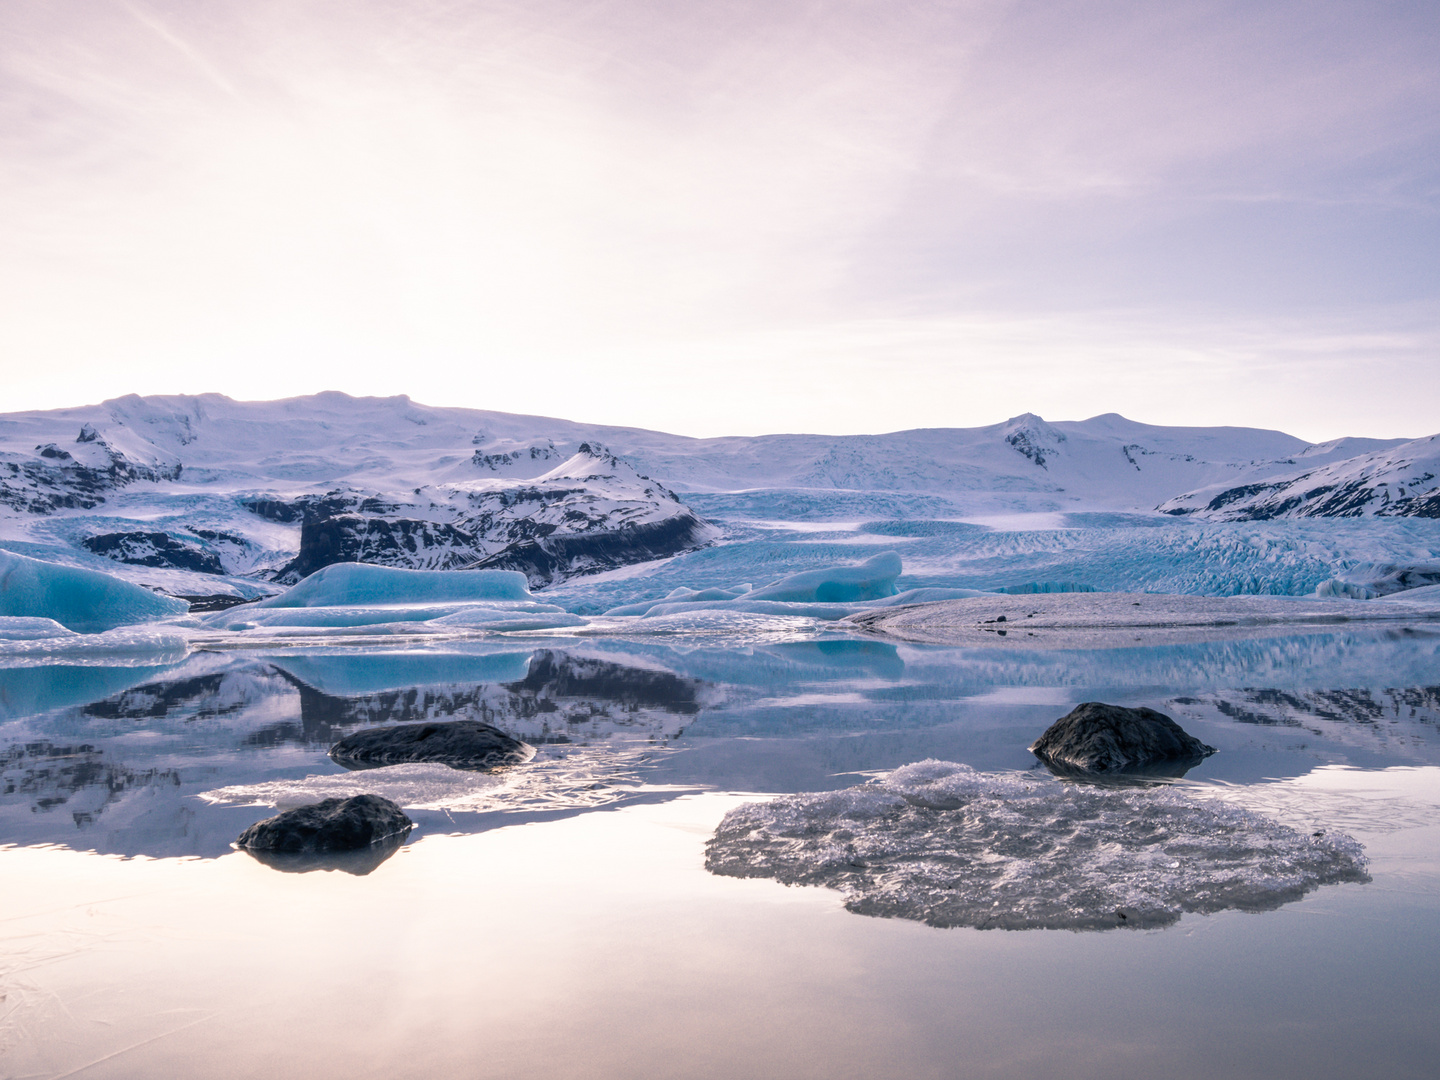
(358, 863)
(617, 720)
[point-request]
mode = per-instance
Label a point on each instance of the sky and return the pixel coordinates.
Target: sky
(731, 216)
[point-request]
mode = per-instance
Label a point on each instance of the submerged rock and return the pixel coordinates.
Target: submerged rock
(1100, 738)
(461, 744)
(331, 825)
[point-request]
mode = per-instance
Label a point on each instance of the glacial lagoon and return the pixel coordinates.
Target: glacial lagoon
(559, 919)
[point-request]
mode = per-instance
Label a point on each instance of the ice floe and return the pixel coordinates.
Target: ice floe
(351, 595)
(830, 592)
(941, 843)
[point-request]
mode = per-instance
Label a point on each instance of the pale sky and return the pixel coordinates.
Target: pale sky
(731, 217)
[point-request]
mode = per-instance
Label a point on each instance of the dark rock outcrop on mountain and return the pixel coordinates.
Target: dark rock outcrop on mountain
(1099, 738)
(592, 513)
(1396, 481)
(461, 744)
(56, 479)
(551, 559)
(154, 549)
(328, 826)
(428, 545)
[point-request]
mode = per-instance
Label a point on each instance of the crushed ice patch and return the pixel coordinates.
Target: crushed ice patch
(946, 845)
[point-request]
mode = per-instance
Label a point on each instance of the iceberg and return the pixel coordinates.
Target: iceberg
(361, 584)
(829, 593)
(943, 844)
(83, 601)
(351, 595)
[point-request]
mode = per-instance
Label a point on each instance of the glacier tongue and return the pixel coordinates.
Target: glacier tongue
(946, 845)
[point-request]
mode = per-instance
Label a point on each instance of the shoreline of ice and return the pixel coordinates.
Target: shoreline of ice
(1112, 620)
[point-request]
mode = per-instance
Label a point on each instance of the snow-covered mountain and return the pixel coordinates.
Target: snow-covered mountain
(204, 494)
(1400, 480)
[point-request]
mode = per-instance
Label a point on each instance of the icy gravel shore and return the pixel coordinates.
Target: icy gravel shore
(1110, 620)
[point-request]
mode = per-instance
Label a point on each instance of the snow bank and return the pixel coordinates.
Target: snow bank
(360, 584)
(81, 600)
(829, 593)
(949, 846)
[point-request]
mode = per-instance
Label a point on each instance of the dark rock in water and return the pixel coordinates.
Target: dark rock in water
(1100, 738)
(461, 744)
(328, 826)
(360, 862)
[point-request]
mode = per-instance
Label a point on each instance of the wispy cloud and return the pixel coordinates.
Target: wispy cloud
(490, 197)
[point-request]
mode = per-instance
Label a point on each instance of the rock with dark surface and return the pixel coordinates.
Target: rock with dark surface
(328, 826)
(461, 744)
(1100, 738)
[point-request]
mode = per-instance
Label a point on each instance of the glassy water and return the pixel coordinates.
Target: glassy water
(557, 919)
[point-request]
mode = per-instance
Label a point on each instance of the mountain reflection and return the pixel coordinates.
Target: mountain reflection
(121, 772)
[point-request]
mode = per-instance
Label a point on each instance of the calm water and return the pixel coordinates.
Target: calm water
(557, 920)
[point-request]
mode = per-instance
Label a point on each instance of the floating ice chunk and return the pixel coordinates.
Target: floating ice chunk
(360, 584)
(941, 843)
(871, 580)
(831, 593)
(512, 618)
(353, 595)
(16, 628)
(478, 616)
(82, 600)
(43, 641)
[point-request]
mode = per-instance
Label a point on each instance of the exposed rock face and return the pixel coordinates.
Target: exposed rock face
(591, 513)
(1397, 481)
(153, 549)
(327, 826)
(554, 558)
(59, 479)
(461, 744)
(1100, 738)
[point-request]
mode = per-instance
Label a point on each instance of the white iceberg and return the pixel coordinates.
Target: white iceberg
(85, 601)
(943, 844)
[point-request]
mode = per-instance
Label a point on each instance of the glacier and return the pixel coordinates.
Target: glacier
(943, 844)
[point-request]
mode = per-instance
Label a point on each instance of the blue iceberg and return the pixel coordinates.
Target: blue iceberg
(362, 585)
(352, 595)
(85, 601)
(829, 593)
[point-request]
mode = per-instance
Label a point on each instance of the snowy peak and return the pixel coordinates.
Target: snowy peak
(1032, 437)
(1397, 481)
